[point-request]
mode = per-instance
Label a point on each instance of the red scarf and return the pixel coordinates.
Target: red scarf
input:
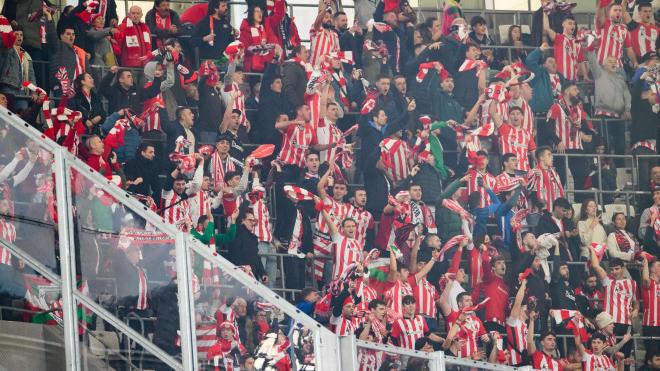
(218, 170)
(163, 24)
(338, 77)
(307, 67)
(458, 209)
(137, 38)
(625, 242)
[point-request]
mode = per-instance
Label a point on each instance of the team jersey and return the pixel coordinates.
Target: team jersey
(594, 362)
(528, 115)
(468, 334)
(547, 185)
(516, 335)
(347, 251)
(327, 132)
(322, 42)
(473, 186)
(567, 120)
(7, 233)
(613, 38)
(364, 220)
(175, 210)
(651, 298)
(425, 295)
(619, 298)
(568, 54)
(394, 154)
(201, 203)
(542, 361)
(322, 241)
(643, 37)
(342, 326)
(296, 142)
(408, 330)
(517, 141)
(394, 295)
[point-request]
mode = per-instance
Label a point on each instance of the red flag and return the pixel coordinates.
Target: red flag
(263, 151)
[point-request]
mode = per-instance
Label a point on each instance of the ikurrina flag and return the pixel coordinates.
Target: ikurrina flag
(44, 296)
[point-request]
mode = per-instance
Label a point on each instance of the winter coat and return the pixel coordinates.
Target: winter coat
(12, 74)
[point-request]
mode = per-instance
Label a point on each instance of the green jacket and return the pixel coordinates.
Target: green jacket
(449, 223)
(220, 238)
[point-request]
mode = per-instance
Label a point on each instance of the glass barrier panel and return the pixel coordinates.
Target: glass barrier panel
(27, 196)
(128, 267)
(466, 364)
(394, 359)
(31, 323)
(237, 327)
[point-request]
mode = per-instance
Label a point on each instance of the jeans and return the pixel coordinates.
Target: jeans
(269, 262)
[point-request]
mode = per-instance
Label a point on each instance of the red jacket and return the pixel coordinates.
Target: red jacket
(134, 41)
(251, 36)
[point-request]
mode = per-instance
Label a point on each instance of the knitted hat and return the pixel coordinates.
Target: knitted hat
(603, 319)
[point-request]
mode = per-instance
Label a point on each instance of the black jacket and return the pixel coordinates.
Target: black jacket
(210, 108)
(88, 109)
(271, 105)
(119, 98)
(295, 81)
(140, 167)
(173, 131)
(375, 182)
(160, 34)
(546, 225)
(561, 291)
(244, 251)
(224, 35)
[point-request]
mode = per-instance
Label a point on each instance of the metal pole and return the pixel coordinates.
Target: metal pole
(599, 164)
(186, 304)
(67, 260)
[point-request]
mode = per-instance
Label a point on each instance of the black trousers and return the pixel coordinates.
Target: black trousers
(578, 167)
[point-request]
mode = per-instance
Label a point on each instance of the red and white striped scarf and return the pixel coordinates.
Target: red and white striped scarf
(471, 64)
(221, 167)
(555, 85)
(142, 290)
(655, 210)
(307, 67)
(424, 69)
(7, 233)
(456, 207)
(161, 24)
(239, 101)
(296, 236)
(625, 242)
(516, 226)
(210, 271)
(645, 144)
(339, 78)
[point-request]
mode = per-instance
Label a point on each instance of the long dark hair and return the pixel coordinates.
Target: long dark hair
(511, 28)
(250, 14)
(583, 209)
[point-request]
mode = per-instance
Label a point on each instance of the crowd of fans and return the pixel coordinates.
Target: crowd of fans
(418, 173)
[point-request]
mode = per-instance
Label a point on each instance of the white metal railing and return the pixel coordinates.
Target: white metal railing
(330, 352)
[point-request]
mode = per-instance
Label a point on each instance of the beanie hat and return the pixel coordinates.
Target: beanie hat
(603, 319)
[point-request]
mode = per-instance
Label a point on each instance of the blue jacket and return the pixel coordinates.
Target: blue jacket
(132, 139)
(542, 89)
(503, 215)
(481, 214)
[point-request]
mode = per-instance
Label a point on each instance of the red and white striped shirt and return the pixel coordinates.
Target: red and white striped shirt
(342, 326)
(547, 185)
(364, 220)
(295, 144)
(179, 213)
(219, 167)
(239, 101)
(613, 38)
(366, 293)
(517, 141)
(516, 335)
(394, 295)
(322, 241)
(408, 330)
(322, 43)
(651, 298)
(327, 132)
(568, 54)
(470, 331)
(347, 251)
(567, 123)
(542, 361)
(425, 295)
(262, 227)
(504, 179)
(594, 362)
(528, 121)
(619, 298)
(395, 154)
(201, 203)
(473, 186)
(643, 38)
(7, 233)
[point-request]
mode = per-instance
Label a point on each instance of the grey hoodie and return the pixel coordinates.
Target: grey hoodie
(611, 90)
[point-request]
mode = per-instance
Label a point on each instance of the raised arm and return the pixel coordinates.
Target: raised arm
(531, 347)
(595, 265)
(546, 27)
(427, 268)
(578, 344)
(323, 183)
(198, 177)
(492, 110)
(517, 302)
(331, 224)
(443, 301)
(646, 276)
(227, 116)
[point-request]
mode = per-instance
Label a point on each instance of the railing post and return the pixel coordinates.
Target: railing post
(186, 304)
(438, 362)
(67, 260)
(348, 351)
